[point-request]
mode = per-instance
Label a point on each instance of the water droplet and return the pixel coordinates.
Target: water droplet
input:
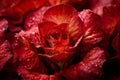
(28, 59)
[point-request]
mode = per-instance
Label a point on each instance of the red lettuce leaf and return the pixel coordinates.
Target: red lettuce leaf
(5, 54)
(3, 27)
(93, 34)
(25, 54)
(89, 69)
(34, 18)
(20, 7)
(27, 75)
(110, 17)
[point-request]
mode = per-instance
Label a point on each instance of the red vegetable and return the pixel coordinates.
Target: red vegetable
(59, 39)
